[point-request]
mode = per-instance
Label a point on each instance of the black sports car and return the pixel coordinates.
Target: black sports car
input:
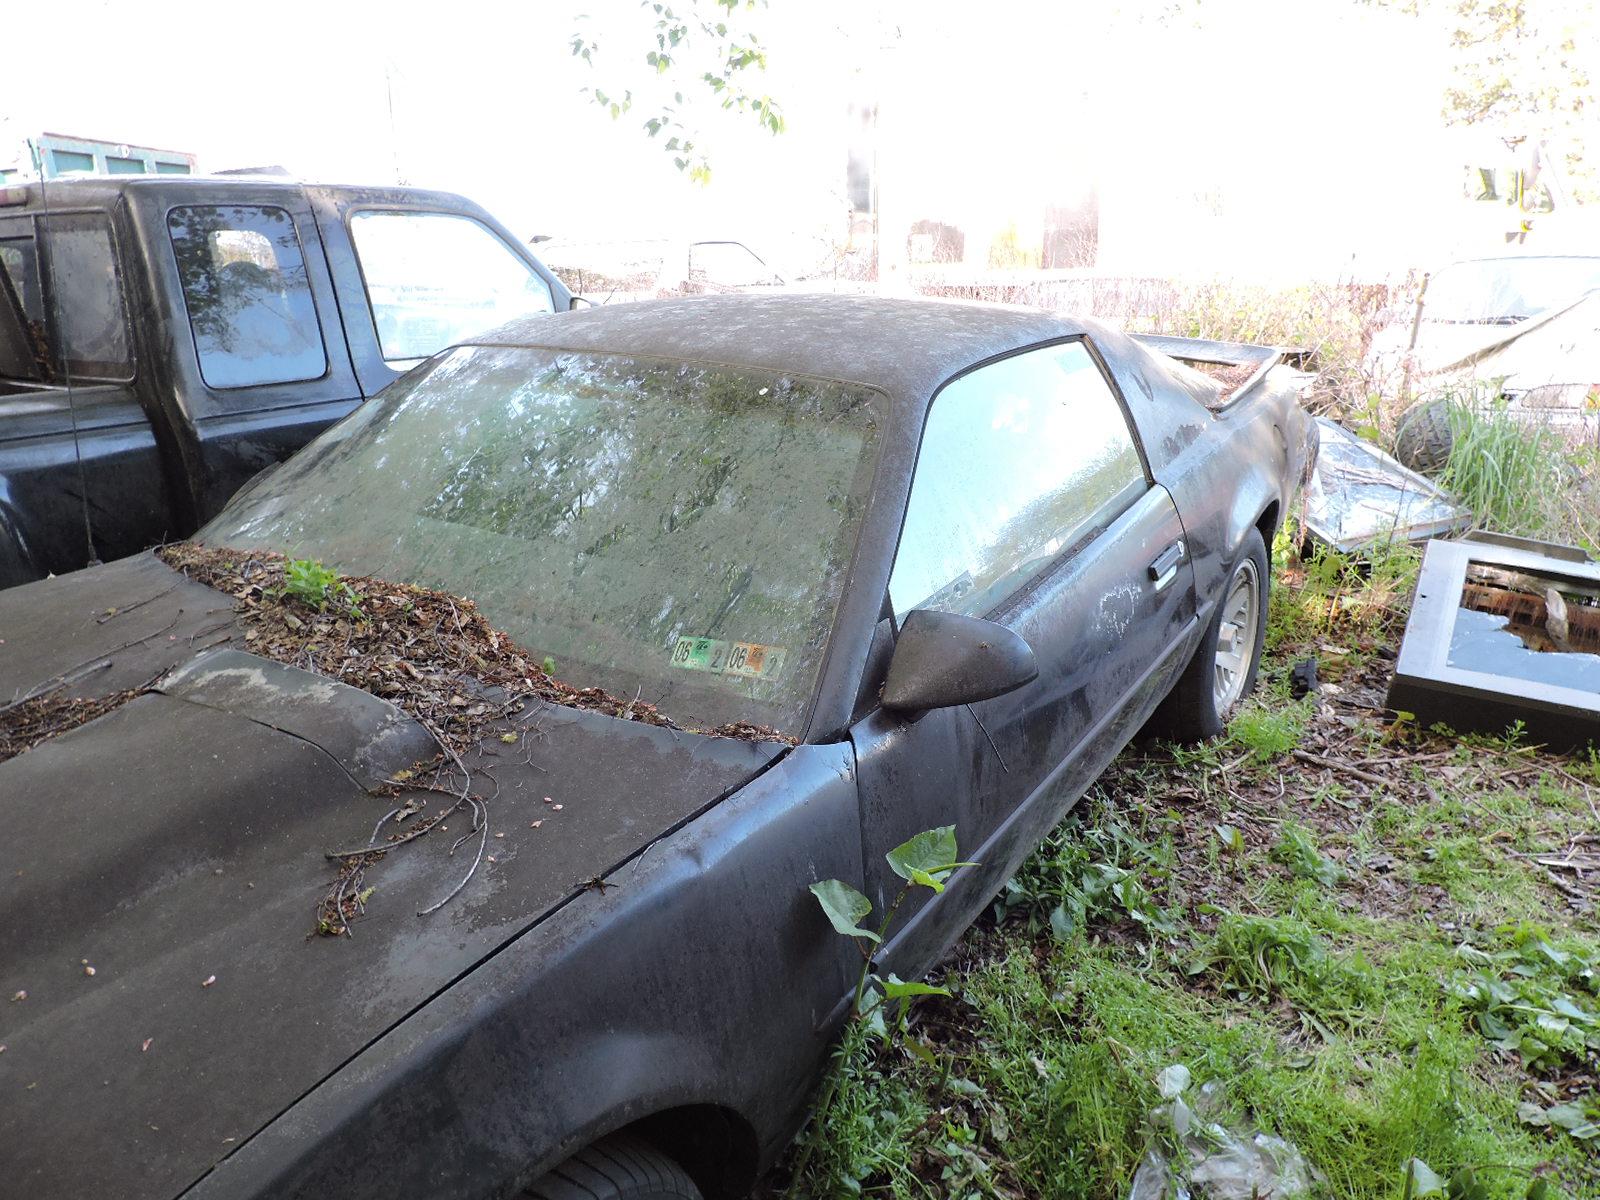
(653, 615)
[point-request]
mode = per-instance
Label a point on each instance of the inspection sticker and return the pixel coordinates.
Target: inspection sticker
(750, 659)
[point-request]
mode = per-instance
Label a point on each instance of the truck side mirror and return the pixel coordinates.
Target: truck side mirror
(943, 659)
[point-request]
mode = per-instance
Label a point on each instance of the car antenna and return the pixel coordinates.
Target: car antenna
(66, 362)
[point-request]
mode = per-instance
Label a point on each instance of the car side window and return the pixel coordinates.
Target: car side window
(434, 279)
(1020, 462)
(91, 318)
(248, 296)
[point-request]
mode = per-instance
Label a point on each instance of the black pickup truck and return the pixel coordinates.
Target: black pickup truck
(163, 339)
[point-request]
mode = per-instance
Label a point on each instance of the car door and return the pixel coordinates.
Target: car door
(1031, 506)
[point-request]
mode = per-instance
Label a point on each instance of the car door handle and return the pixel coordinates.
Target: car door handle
(1165, 568)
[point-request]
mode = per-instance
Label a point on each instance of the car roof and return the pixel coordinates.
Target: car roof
(903, 347)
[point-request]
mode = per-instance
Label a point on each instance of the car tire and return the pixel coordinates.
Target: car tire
(1223, 670)
(615, 1168)
(1423, 438)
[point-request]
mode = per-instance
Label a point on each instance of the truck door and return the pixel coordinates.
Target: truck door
(80, 477)
(258, 362)
(420, 271)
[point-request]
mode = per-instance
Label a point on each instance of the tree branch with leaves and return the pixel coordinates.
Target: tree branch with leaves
(696, 52)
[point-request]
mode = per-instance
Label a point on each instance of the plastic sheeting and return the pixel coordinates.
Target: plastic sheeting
(1198, 1158)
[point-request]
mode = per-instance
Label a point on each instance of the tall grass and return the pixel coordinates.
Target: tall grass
(1519, 478)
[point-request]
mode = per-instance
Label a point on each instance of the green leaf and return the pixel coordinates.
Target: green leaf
(922, 1052)
(932, 853)
(1532, 1114)
(1422, 1180)
(1465, 1185)
(1061, 923)
(1567, 1008)
(899, 989)
(1574, 1118)
(1540, 1189)
(844, 907)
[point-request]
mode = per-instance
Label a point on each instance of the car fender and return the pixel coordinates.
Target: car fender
(547, 1046)
(17, 563)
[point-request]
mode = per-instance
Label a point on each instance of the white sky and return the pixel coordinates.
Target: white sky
(1329, 106)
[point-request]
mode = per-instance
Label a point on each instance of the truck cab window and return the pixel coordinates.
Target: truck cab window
(24, 353)
(248, 296)
(436, 278)
(90, 318)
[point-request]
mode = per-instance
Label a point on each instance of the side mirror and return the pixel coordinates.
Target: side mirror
(578, 302)
(944, 659)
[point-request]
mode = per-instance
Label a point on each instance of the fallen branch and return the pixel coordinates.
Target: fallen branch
(1334, 764)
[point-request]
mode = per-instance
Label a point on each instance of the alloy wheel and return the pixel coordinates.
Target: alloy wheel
(1236, 636)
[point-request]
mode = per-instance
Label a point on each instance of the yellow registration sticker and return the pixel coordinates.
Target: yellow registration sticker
(749, 659)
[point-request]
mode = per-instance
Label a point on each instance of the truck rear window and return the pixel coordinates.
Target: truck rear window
(249, 299)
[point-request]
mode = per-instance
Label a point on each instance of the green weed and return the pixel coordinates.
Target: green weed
(1280, 956)
(1085, 873)
(1269, 731)
(1534, 999)
(317, 586)
(1297, 850)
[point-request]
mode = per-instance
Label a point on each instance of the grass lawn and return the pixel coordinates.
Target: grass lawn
(1373, 941)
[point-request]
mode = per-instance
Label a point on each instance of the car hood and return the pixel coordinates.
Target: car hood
(176, 846)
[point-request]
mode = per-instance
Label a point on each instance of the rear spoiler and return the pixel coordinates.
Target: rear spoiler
(1236, 367)
(1228, 354)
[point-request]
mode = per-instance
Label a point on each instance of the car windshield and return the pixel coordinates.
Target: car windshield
(1504, 290)
(664, 530)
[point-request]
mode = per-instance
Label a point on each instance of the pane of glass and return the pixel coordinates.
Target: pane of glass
(249, 300)
(91, 325)
(24, 351)
(436, 278)
(20, 261)
(668, 530)
(1020, 462)
(1539, 628)
(171, 168)
(124, 166)
(70, 162)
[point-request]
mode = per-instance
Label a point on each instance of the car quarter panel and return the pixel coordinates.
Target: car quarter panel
(547, 1046)
(1224, 472)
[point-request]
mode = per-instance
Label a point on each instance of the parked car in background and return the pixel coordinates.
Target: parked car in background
(612, 272)
(886, 565)
(1523, 330)
(164, 338)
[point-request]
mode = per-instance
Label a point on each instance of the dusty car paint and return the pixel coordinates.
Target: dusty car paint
(655, 962)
